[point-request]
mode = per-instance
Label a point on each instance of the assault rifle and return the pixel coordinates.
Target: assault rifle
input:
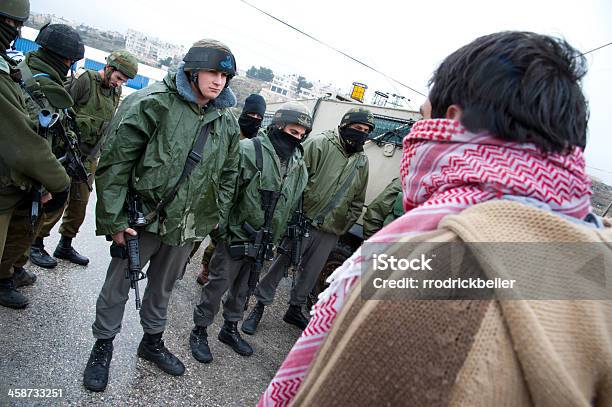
(261, 246)
(131, 251)
(71, 160)
(298, 229)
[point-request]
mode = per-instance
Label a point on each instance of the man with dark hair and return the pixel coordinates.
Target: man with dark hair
(249, 121)
(172, 150)
(96, 96)
(333, 200)
(43, 73)
(26, 159)
(492, 165)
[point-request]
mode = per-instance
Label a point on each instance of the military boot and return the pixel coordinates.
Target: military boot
(295, 317)
(152, 348)
(198, 342)
(9, 297)
(203, 276)
(39, 256)
(249, 326)
(95, 376)
(23, 277)
(64, 250)
(230, 336)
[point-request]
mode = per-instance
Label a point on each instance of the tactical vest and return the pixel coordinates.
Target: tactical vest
(99, 108)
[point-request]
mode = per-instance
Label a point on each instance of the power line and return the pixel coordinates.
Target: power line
(595, 49)
(598, 169)
(333, 48)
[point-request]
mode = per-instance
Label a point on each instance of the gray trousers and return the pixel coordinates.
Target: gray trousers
(225, 274)
(166, 265)
(315, 252)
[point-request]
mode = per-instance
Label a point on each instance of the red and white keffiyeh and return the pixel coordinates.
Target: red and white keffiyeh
(444, 170)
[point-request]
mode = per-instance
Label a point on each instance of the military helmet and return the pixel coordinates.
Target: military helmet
(358, 115)
(62, 40)
(210, 55)
(293, 113)
(124, 62)
(18, 10)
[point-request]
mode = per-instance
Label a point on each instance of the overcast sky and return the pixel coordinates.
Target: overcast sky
(405, 40)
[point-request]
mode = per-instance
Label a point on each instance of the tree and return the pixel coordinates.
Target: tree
(303, 84)
(263, 74)
(166, 61)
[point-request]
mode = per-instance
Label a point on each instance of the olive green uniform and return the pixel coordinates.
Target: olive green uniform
(26, 159)
(329, 169)
(384, 209)
(95, 106)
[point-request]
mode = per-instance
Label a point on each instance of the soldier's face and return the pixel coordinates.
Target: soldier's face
(117, 79)
(211, 84)
(360, 127)
(295, 131)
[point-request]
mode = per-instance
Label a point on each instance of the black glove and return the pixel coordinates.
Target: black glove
(57, 201)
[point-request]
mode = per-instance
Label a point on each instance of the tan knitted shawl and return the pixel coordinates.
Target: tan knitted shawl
(472, 353)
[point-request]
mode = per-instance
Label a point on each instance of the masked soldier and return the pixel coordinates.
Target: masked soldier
(271, 181)
(43, 73)
(172, 151)
(96, 96)
(384, 209)
(249, 121)
(333, 200)
(26, 160)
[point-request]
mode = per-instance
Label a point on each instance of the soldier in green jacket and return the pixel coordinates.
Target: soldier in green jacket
(272, 161)
(26, 160)
(148, 144)
(384, 209)
(96, 97)
(43, 73)
(333, 200)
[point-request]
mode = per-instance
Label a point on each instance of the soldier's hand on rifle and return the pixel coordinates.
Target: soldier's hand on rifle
(119, 237)
(46, 198)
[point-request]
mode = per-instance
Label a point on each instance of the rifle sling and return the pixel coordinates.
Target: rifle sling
(193, 159)
(318, 220)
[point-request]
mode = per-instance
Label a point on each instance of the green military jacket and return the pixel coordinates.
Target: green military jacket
(147, 144)
(247, 200)
(25, 157)
(95, 106)
(54, 96)
(328, 167)
(384, 209)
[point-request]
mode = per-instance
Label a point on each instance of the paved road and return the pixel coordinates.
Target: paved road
(47, 344)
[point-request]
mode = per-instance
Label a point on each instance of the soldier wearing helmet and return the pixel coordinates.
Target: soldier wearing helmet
(96, 96)
(43, 73)
(333, 200)
(172, 149)
(271, 163)
(26, 159)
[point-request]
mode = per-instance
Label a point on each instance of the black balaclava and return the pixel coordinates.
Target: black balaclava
(284, 144)
(249, 125)
(8, 34)
(54, 61)
(352, 139)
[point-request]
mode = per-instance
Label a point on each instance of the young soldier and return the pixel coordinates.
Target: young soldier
(270, 184)
(26, 160)
(249, 121)
(96, 97)
(43, 73)
(333, 199)
(158, 134)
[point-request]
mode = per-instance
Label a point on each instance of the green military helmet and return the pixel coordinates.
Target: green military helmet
(358, 115)
(293, 113)
(63, 40)
(210, 55)
(124, 62)
(18, 10)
